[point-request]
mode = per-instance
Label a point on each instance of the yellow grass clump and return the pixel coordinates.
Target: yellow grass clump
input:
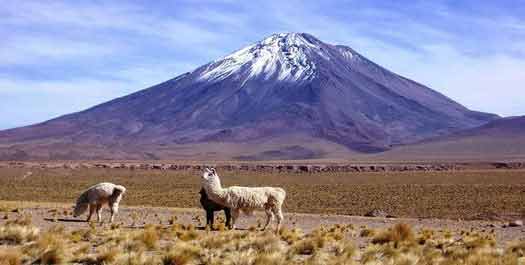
(184, 245)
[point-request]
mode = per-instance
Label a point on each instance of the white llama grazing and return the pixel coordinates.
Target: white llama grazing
(96, 196)
(245, 199)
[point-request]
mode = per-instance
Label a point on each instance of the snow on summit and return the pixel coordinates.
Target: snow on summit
(285, 56)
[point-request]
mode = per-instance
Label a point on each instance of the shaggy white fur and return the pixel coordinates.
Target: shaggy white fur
(245, 199)
(96, 196)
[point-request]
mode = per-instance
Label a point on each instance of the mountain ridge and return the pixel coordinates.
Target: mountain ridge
(283, 85)
(502, 139)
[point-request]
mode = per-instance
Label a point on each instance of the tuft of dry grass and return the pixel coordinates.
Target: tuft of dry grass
(181, 253)
(399, 233)
(308, 246)
(53, 256)
(17, 234)
(367, 232)
(182, 244)
(11, 257)
(290, 236)
(149, 237)
(108, 255)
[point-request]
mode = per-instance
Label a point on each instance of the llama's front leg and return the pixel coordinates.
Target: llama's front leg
(99, 215)
(269, 217)
(114, 210)
(279, 214)
(91, 211)
(228, 215)
(235, 215)
(209, 218)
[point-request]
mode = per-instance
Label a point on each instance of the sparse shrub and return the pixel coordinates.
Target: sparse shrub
(477, 241)
(517, 248)
(55, 255)
(269, 258)
(24, 220)
(172, 220)
(149, 237)
(108, 255)
(221, 227)
(290, 236)
(188, 235)
(265, 243)
(134, 218)
(308, 246)
(398, 233)
(368, 232)
(16, 234)
(11, 256)
(181, 253)
(345, 250)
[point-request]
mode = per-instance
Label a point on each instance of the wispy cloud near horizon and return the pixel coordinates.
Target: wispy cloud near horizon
(59, 57)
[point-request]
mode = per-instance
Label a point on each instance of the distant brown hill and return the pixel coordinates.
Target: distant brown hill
(498, 140)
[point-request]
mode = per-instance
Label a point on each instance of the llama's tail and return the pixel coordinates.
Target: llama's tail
(279, 195)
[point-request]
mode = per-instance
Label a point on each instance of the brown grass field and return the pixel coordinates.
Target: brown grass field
(466, 194)
(36, 226)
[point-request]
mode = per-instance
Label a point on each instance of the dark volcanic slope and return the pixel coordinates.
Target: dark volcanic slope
(499, 139)
(282, 87)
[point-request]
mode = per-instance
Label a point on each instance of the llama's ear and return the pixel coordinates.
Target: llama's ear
(213, 171)
(207, 170)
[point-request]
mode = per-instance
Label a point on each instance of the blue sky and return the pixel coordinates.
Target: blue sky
(58, 57)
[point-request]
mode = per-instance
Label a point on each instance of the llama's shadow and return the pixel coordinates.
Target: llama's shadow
(227, 229)
(67, 220)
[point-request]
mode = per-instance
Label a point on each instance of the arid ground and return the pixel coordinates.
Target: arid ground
(45, 233)
(494, 194)
(446, 216)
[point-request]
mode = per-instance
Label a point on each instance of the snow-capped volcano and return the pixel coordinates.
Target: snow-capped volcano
(289, 91)
(285, 56)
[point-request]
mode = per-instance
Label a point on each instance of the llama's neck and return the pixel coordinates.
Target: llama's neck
(213, 188)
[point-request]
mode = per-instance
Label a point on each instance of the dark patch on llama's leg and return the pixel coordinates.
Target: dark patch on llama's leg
(228, 215)
(210, 207)
(209, 218)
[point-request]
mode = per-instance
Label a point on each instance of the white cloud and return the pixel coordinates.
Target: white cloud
(491, 83)
(34, 49)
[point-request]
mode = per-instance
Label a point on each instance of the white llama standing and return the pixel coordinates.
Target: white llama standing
(97, 195)
(245, 199)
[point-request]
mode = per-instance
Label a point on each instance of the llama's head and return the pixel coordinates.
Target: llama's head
(210, 177)
(209, 174)
(79, 209)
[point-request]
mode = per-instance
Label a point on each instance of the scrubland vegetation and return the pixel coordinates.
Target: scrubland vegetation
(23, 243)
(166, 239)
(468, 194)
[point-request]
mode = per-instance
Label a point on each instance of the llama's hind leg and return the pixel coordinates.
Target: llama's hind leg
(279, 214)
(269, 217)
(235, 216)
